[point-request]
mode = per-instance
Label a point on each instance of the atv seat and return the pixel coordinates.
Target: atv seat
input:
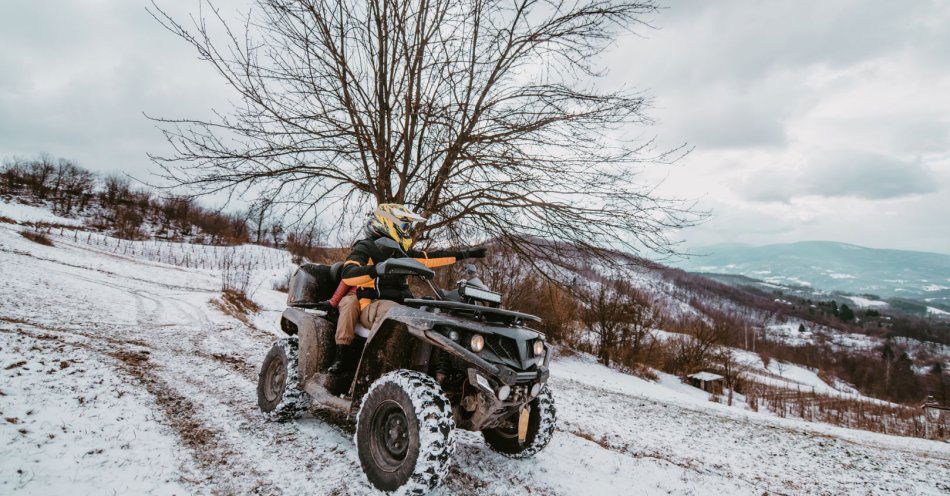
(335, 271)
(362, 331)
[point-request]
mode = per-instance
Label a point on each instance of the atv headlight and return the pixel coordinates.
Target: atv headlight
(477, 343)
(539, 348)
(504, 392)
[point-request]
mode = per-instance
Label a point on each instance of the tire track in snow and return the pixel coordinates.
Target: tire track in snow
(207, 444)
(212, 411)
(107, 272)
(216, 422)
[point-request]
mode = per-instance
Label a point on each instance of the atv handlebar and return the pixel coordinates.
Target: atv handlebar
(404, 267)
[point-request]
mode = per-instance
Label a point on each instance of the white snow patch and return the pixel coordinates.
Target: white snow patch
(863, 302)
(27, 213)
(838, 275)
(937, 311)
(73, 426)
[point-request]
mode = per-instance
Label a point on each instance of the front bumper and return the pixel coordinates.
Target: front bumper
(502, 373)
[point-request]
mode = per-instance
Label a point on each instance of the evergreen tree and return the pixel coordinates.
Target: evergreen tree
(801, 327)
(887, 353)
(846, 314)
(904, 385)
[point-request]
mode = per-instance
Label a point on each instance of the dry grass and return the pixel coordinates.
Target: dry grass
(850, 412)
(237, 305)
(37, 237)
(563, 351)
(15, 365)
(602, 440)
(642, 371)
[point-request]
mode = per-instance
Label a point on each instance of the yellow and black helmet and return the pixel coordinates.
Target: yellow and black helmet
(395, 221)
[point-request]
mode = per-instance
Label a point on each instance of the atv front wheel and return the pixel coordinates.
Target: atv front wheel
(542, 418)
(405, 433)
(279, 395)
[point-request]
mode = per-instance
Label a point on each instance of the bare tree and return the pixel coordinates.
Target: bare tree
(604, 318)
(643, 316)
(479, 113)
(71, 184)
(732, 369)
(257, 217)
(623, 319)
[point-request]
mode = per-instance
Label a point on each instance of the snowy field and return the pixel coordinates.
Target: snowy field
(28, 213)
(118, 375)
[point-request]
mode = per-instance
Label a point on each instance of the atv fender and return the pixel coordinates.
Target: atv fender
(315, 337)
(387, 349)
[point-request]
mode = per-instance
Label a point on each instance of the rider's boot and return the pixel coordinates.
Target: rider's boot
(344, 364)
(341, 359)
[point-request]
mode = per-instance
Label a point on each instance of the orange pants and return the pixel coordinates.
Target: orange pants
(350, 314)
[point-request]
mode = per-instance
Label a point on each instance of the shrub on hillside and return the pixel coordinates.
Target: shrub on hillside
(37, 237)
(111, 203)
(235, 274)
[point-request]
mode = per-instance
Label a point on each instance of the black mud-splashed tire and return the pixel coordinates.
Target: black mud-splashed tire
(279, 395)
(405, 434)
(542, 419)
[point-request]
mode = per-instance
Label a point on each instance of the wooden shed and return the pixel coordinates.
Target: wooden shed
(707, 381)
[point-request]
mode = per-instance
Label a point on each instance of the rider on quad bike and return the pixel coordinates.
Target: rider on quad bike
(374, 295)
(431, 364)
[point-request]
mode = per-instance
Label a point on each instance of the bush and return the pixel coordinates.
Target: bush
(123, 209)
(37, 237)
(642, 371)
(235, 274)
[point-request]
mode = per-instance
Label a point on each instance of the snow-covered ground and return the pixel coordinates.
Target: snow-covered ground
(117, 375)
(23, 213)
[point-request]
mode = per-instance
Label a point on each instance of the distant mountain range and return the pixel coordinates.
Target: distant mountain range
(832, 266)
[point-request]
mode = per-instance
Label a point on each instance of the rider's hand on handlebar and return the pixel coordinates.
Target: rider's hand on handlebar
(380, 268)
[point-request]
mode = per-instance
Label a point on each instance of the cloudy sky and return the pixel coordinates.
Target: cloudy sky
(809, 120)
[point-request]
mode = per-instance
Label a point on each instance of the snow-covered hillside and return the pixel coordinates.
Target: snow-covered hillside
(119, 375)
(833, 266)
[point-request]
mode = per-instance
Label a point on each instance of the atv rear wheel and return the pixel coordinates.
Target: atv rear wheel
(542, 418)
(405, 433)
(279, 395)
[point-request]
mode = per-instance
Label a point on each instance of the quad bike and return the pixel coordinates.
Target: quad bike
(430, 365)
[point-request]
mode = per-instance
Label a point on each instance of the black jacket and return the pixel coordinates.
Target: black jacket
(359, 270)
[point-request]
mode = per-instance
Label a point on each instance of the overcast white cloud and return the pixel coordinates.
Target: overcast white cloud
(810, 120)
